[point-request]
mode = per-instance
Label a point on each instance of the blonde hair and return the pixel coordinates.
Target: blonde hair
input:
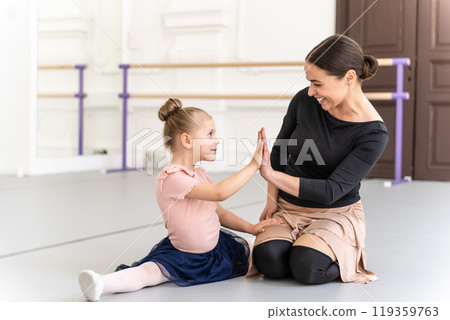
(178, 120)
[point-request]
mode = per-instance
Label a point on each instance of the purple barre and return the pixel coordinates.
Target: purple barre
(80, 95)
(125, 96)
(399, 96)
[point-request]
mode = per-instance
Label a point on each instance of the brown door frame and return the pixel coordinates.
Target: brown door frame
(385, 79)
(432, 156)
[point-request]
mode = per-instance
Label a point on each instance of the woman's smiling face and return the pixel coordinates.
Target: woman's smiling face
(330, 91)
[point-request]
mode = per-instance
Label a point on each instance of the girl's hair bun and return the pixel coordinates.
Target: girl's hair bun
(370, 67)
(169, 108)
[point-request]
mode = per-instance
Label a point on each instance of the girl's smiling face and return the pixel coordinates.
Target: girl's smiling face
(205, 141)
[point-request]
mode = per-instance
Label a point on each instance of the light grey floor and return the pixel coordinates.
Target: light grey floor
(51, 227)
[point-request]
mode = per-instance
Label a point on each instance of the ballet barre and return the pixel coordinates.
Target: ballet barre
(399, 95)
(381, 62)
(80, 95)
(369, 95)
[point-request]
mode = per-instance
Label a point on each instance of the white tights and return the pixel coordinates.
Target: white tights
(135, 278)
(132, 279)
(147, 274)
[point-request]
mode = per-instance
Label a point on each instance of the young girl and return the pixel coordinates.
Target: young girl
(196, 250)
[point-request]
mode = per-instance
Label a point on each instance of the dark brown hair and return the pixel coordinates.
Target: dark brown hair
(338, 54)
(178, 120)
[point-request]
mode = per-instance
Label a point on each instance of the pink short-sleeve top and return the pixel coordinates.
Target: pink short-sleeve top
(193, 224)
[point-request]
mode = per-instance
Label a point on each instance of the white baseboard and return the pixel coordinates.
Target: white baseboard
(42, 166)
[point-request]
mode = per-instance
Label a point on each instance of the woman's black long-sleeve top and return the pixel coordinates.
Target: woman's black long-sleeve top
(330, 156)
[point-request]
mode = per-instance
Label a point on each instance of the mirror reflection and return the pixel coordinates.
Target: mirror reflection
(78, 108)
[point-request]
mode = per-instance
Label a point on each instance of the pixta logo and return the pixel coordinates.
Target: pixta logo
(146, 151)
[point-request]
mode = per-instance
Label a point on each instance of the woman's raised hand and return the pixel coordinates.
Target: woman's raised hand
(265, 168)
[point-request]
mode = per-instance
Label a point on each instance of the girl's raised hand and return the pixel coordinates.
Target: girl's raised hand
(259, 227)
(258, 155)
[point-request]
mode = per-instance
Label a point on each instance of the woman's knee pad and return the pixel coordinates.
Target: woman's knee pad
(310, 266)
(272, 258)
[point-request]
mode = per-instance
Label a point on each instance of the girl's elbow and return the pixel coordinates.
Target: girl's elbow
(220, 195)
(221, 198)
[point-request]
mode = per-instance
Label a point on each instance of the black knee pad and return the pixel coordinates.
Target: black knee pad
(310, 266)
(272, 258)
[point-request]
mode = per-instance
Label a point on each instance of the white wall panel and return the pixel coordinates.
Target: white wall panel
(105, 33)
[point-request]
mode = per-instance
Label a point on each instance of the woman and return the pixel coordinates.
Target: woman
(330, 139)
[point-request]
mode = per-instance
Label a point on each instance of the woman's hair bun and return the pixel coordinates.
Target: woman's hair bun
(370, 67)
(169, 108)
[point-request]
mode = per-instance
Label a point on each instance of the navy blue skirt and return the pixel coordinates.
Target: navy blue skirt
(229, 259)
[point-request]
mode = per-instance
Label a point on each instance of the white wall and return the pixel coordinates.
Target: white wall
(211, 31)
(104, 33)
(17, 84)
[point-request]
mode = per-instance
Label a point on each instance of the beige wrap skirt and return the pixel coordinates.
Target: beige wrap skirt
(342, 228)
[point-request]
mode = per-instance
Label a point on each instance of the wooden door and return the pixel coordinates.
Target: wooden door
(432, 152)
(386, 30)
